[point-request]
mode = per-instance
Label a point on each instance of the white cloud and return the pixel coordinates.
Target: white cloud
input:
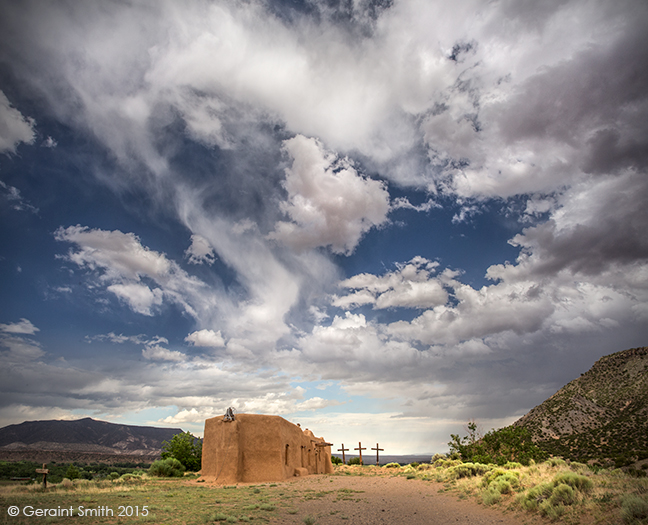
(14, 127)
(206, 338)
(49, 142)
(329, 202)
(159, 353)
(408, 287)
(24, 326)
(120, 259)
(200, 251)
(138, 296)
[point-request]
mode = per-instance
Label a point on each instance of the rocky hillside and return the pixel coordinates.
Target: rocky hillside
(85, 436)
(602, 415)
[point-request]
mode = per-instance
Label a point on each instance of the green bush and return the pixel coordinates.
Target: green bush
(392, 465)
(508, 444)
(553, 512)
(562, 495)
(336, 460)
(490, 496)
(633, 508)
(167, 468)
(468, 470)
(503, 480)
(354, 461)
(536, 495)
(556, 462)
(582, 483)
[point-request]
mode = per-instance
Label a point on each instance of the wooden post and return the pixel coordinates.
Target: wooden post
(44, 471)
(343, 450)
(360, 449)
(377, 449)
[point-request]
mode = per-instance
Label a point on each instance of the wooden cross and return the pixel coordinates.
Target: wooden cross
(377, 449)
(343, 450)
(44, 471)
(360, 449)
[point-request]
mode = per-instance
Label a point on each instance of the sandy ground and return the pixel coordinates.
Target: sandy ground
(388, 500)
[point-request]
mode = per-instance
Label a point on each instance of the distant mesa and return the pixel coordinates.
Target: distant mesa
(82, 440)
(602, 416)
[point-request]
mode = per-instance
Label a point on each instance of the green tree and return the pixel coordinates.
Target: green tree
(72, 472)
(186, 448)
(497, 446)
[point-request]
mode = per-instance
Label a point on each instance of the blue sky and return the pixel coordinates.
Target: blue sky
(379, 219)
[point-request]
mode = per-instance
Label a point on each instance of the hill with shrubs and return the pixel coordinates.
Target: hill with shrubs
(600, 417)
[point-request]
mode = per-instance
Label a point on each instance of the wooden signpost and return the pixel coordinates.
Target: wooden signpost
(343, 450)
(44, 471)
(377, 449)
(360, 449)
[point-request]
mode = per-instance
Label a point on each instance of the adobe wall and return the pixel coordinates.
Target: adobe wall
(257, 448)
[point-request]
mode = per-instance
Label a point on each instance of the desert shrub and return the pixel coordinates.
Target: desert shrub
(354, 461)
(574, 480)
(536, 495)
(392, 465)
(512, 465)
(553, 512)
(82, 483)
(66, 484)
(437, 457)
(491, 496)
(424, 466)
(167, 468)
(562, 494)
(633, 508)
(414, 464)
(503, 480)
(113, 475)
(556, 462)
(267, 506)
(467, 470)
(447, 462)
(336, 460)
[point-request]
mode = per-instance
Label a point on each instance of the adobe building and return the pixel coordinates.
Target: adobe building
(258, 448)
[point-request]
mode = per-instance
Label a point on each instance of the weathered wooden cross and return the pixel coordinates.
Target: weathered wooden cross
(377, 449)
(44, 471)
(360, 449)
(343, 450)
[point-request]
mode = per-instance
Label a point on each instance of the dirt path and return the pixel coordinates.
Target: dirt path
(372, 500)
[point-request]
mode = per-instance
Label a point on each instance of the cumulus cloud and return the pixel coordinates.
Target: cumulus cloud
(24, 326)
(206, 338)
(159, 353)
(119, 258)
(200, 251)
(408, 287)
(14, 127)
(329, 202)
(541, 103)
(138, 296)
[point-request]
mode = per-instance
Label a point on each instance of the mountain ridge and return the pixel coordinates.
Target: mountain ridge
(600, 416)
(84, 436)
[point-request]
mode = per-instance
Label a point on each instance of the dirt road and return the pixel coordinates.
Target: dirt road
(372, 500)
